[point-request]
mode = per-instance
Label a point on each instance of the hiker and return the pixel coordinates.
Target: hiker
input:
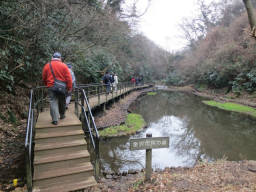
(107, 82)
(133, 81)
(141, 80)
(57, 78)
(112, 80)
(115, 82)
(137, 81)
(68, 98)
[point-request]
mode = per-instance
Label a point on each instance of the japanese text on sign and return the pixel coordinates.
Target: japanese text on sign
(149, 143)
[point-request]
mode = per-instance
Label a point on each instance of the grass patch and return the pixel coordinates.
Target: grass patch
(232, 107)
(151, 93)
(133, 123)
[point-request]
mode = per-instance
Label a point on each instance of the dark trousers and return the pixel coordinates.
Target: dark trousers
(108, 88)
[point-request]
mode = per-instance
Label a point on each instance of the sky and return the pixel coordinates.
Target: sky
(160, 23)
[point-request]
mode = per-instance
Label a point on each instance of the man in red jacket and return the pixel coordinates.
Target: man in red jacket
(57, 100)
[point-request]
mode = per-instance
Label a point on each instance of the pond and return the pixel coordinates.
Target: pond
(196, 132)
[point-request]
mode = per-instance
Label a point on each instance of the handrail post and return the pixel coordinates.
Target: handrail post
(28, 170)
(41, 103)
(87, 93)
(98, 90)
(97, 160)
(76, 101)
(112, 91)
(82, 101)
(106, 96)
(28, 142)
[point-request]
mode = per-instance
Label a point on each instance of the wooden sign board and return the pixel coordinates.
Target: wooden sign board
(149, 143)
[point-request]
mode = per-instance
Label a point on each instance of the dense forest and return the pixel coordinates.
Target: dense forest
(221, 50)
(97, 35)
(94, 35)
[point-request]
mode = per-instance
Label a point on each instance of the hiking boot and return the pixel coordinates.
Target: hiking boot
(62, 116)
(55, 122)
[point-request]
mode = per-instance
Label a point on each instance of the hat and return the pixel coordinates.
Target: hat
(56, 55)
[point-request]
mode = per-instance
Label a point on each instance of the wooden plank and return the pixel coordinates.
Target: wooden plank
(65, 185)
(83, 167)
(62, 157)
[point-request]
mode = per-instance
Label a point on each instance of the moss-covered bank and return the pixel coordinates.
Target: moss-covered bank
(133, 123)
(229, 106)
(151, 93)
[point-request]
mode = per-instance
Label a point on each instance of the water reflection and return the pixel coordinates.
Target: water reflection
(196, 131)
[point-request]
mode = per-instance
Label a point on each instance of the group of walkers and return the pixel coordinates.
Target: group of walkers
(110, 80)
(59, 79)
(137, 80)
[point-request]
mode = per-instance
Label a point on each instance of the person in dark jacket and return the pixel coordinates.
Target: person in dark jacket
(57, 100)
(107, 81)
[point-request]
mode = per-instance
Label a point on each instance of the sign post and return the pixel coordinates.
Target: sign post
(149, 143)
(148, 160)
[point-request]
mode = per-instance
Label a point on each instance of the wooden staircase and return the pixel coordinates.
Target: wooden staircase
(61, 160)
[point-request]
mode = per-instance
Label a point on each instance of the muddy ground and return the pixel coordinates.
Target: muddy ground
(220, 176)
(13, 114)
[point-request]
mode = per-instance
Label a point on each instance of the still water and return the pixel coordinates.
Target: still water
(196, 132)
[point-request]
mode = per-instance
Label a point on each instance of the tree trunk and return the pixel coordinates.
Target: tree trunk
(250, 12)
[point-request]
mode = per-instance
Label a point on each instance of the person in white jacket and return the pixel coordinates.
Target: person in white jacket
(115, 82)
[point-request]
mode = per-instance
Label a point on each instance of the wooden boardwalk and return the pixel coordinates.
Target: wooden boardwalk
(103, 98)
(61, 159)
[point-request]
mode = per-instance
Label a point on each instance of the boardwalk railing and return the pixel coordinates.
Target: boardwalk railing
(100, 90)
(83, 92)
(89, 127)
(83, 111)
(36, 104)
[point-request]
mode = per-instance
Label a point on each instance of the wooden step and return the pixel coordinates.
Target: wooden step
(59, 164)
(65, 187)
(65, 183)
(40, 174)
(56, 130)
(61, 123)
(59, 151)
(58, 133)
(58, 139)
(44, 120)
(60, 142)
(45, 158)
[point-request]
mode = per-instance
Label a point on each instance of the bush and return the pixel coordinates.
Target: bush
(174, 79)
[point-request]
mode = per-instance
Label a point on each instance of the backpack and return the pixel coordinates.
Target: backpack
(106, 79)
